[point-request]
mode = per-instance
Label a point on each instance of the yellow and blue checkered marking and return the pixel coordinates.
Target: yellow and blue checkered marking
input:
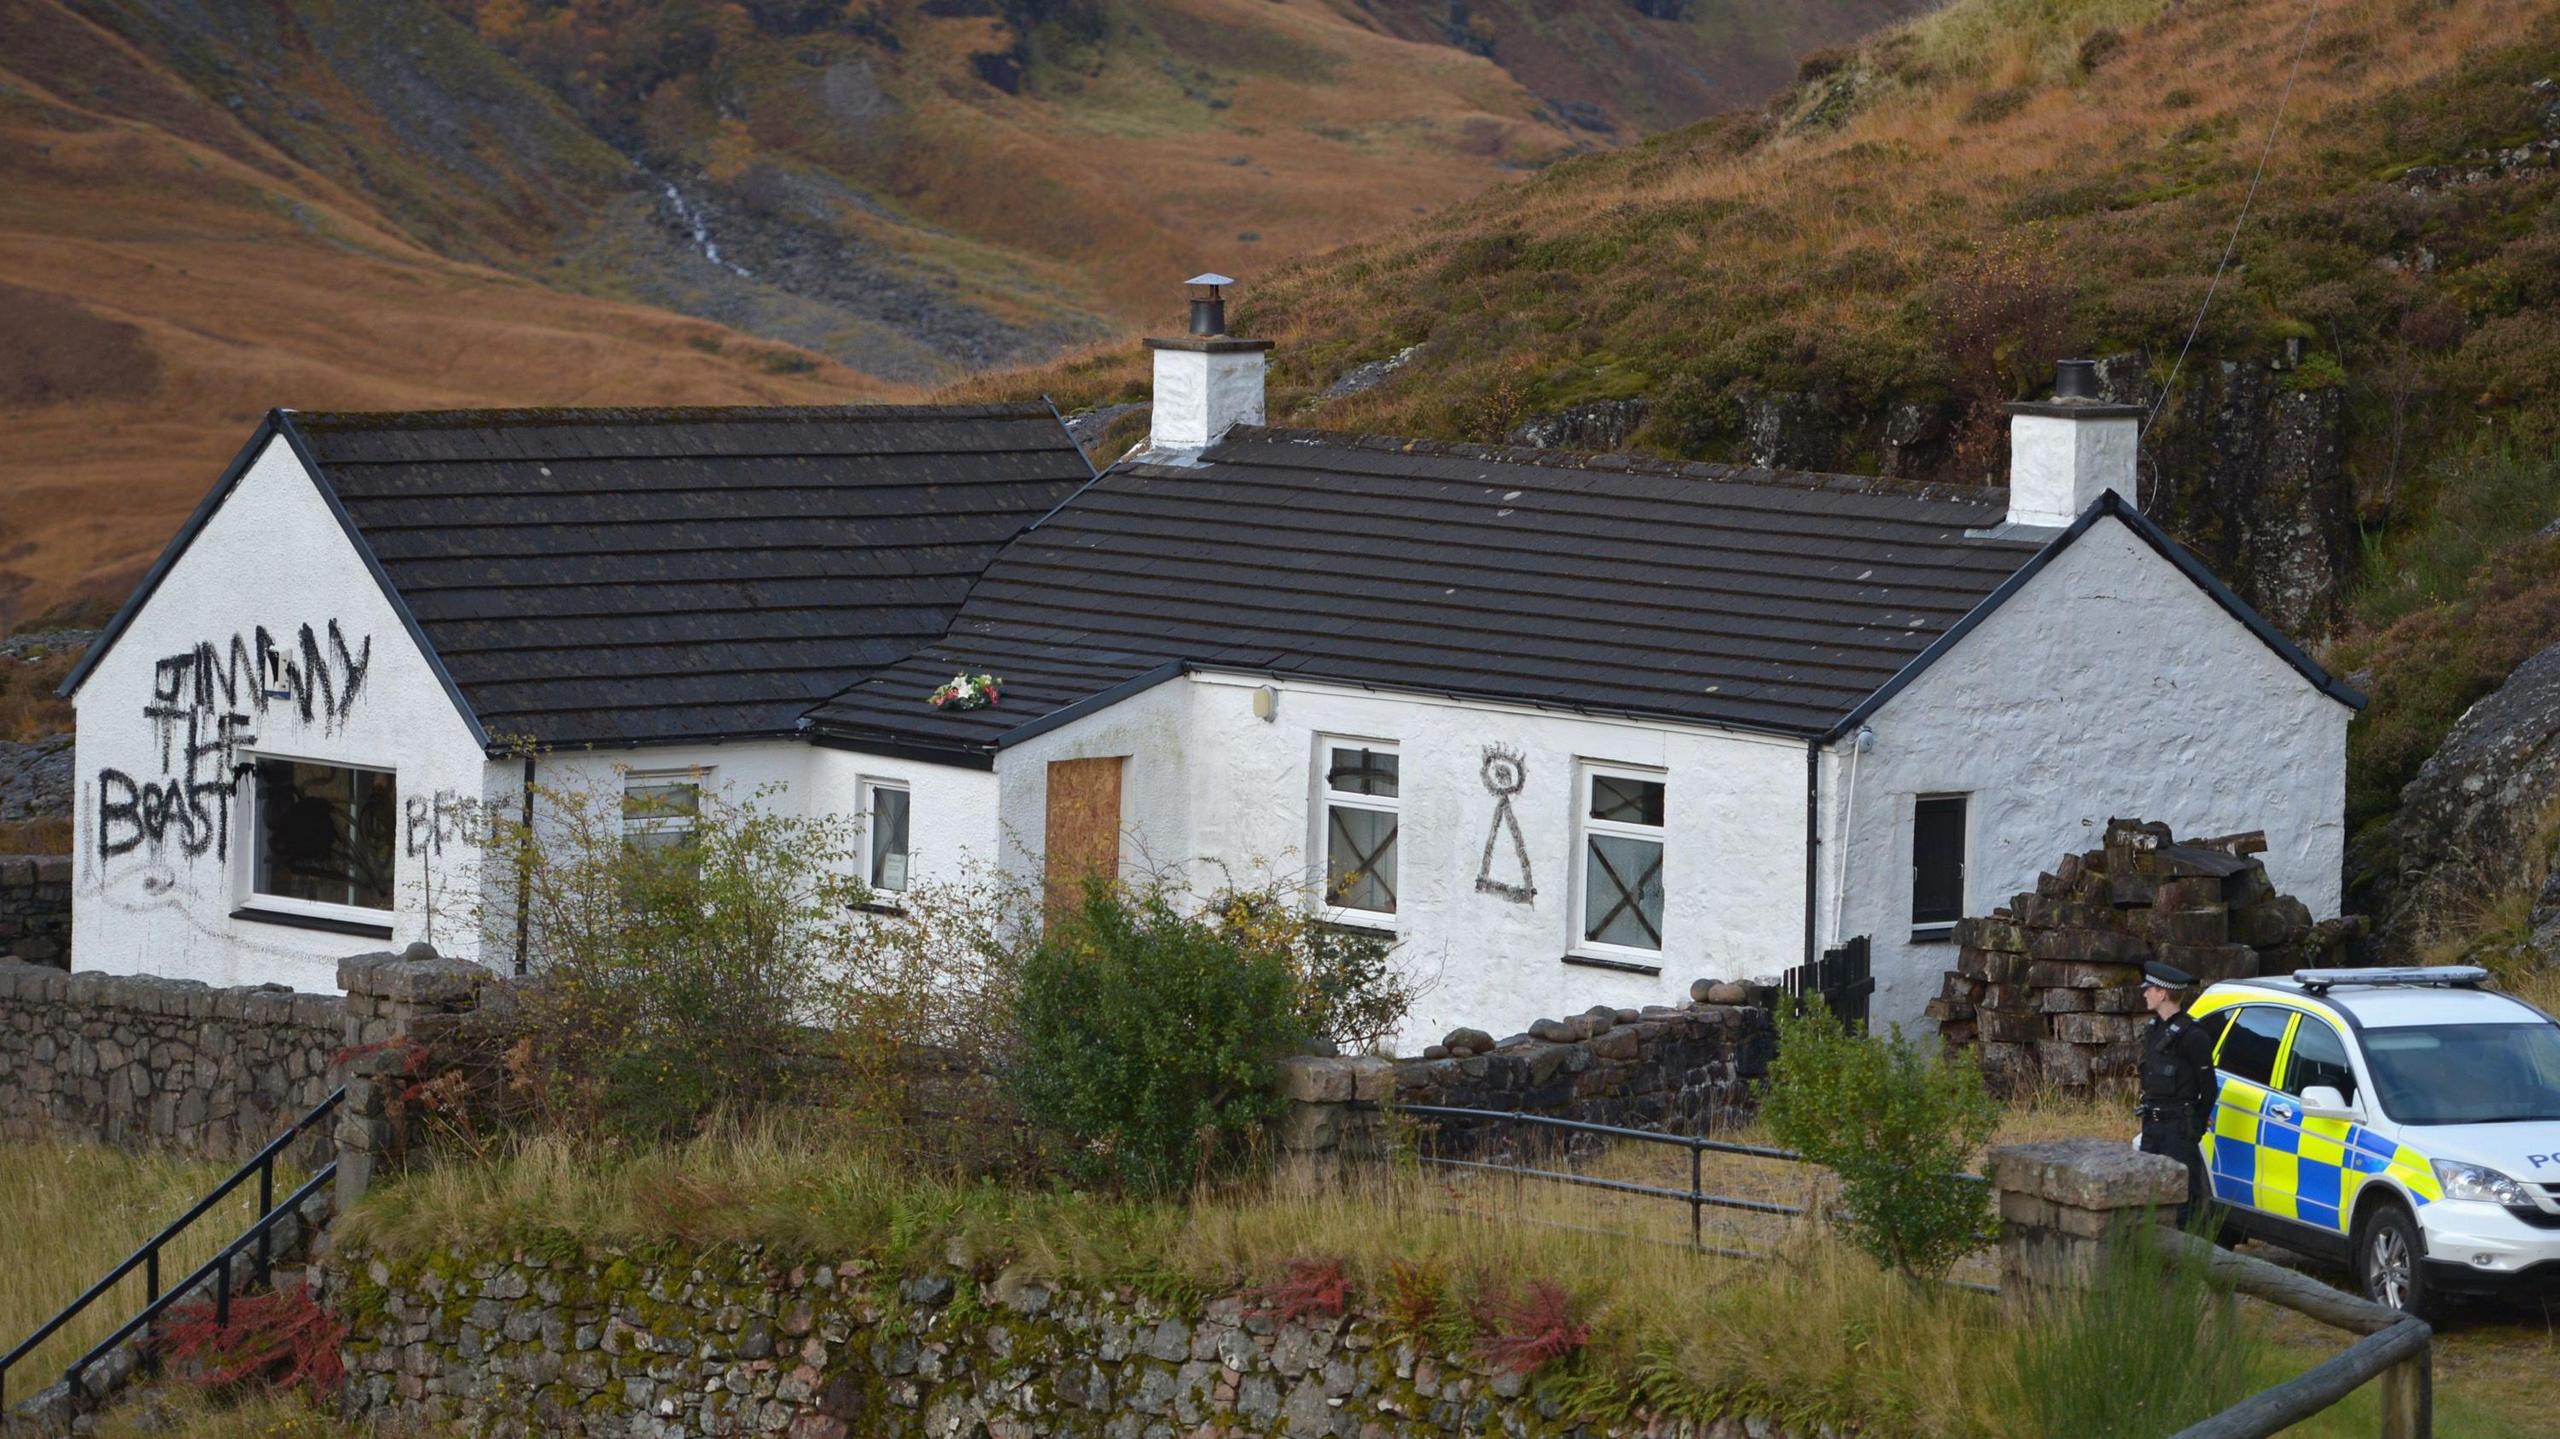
(2263, 1155)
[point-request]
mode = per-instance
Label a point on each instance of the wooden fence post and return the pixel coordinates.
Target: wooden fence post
(2407, 1391)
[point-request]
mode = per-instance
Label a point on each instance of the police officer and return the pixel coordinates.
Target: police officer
(2178, 1086)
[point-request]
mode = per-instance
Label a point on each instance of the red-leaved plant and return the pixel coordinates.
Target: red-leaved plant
(1524, 1331)
(283, 1340)
(1311, 1286)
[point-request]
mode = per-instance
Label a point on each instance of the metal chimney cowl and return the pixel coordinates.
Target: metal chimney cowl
(1206, 381)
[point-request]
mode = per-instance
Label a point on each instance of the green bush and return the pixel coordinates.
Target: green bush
(2150, 1347)
(1898, 1123)
(1150, 1038)
(678, 952)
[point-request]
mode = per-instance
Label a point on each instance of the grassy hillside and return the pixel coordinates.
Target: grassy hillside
(208, 210)
(1942, 213)
(166, 277)
(1858, 275)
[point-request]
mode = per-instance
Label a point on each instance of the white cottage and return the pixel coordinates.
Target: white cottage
(1570, 729)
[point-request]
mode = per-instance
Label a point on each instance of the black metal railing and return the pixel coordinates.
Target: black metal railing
(261, 1166)
(1512, 1125)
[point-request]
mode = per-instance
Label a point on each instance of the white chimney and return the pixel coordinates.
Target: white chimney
(2067, 451)
(1207, 381)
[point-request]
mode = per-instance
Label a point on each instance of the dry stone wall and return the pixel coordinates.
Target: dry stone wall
(2047, 989)
(1671, 1069)
(35, 908)
(735, 1343)
(167, 1064)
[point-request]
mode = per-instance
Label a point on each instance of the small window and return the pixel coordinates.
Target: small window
(886, 804)
(2319, 1057)
(2249, 1049)
(1362, 789)
(1937, 863)
(1622, 853)
(324, 834)
(661, 811)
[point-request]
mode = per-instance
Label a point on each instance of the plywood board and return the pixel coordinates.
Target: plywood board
(1083, 831)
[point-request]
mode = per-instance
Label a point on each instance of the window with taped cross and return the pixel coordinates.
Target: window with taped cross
(1362, 809)
(1621, 892)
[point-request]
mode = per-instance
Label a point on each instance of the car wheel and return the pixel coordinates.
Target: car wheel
(2389, 1255)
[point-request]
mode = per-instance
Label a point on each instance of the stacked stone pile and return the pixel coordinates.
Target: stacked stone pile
(35, 908)
(1673, 1069)
(2047, 989)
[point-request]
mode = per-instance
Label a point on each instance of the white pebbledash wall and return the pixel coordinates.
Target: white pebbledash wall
(1206, 778)
(2108, 686)
(161, 843)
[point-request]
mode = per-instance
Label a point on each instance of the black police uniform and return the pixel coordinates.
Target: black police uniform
(2177, 1094)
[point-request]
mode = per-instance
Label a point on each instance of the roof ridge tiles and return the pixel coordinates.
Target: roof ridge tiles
(1611, 461)
(341, 421)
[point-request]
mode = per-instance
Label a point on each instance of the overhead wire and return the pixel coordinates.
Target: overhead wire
(2231, 243)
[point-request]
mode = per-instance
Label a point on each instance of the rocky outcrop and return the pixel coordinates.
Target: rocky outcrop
(2245, 468)
(1600, 425)
(2476, 820)
(35, 778)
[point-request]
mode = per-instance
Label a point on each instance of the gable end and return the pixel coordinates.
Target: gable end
(278, 424)
(2109, 505)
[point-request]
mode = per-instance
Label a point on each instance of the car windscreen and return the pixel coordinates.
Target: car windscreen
(2466, 1073)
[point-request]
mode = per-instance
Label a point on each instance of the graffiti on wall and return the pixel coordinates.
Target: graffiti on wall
(206, 704)
(430, 822)
(1506, 773)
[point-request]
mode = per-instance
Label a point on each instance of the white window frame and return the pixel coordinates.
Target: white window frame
(696, 775)
(245, 894)
(1585, 827)
(867, 787)
(1326, 798)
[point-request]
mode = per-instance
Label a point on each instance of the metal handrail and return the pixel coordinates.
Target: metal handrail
(147, 1258)
(218, 1267)
(1695, 1196)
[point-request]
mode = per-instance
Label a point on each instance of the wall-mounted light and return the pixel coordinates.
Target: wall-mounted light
(1266, 703)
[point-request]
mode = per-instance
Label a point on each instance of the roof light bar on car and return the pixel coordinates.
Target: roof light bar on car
(2456, 975)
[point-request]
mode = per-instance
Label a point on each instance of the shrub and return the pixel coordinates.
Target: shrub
(1898, 1123)
(672, 979)
(1524, 1331)
(1151, 1038)
(279, 1340)
(1348, 990)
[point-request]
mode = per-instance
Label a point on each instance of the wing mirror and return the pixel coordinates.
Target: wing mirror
(2322, 1102)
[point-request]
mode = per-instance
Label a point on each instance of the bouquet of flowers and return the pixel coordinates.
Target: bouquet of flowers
(967, 692)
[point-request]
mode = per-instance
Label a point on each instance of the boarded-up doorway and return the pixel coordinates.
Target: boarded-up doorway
(1083, 833)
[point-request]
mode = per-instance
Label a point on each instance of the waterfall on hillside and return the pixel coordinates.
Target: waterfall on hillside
(691, 217)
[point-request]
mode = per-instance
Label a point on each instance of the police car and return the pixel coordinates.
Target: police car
(2404, 1122)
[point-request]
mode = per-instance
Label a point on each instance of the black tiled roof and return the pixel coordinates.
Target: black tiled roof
(628, 576)
(1699, 592)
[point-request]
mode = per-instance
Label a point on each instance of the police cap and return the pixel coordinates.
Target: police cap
(2166, 976)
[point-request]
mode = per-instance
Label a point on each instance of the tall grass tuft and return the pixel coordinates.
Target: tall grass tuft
(76, 1210)
(2150, 1348)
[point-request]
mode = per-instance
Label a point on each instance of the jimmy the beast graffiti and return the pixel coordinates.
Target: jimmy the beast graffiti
(204, 703)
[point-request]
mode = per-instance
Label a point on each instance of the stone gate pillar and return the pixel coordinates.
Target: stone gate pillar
(390, 998)
(2060, 1199)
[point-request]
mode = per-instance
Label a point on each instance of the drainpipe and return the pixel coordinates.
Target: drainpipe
(1812, 841)
(524, 876)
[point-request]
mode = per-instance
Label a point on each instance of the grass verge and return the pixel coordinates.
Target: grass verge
(75, 1211)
